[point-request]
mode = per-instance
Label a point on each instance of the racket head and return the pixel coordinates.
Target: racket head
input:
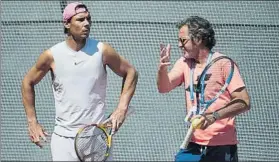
(214, 79)
(93, 142)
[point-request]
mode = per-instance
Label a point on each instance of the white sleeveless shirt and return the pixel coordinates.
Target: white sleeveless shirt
(79, 86)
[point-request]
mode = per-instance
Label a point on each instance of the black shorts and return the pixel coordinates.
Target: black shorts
(198, 153)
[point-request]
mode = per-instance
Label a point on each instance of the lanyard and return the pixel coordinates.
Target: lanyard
(192, 78)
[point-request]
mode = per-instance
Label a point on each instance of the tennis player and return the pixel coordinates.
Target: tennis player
(216, 141)
(79, 82)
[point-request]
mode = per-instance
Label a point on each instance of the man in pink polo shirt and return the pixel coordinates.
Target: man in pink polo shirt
(216, 140)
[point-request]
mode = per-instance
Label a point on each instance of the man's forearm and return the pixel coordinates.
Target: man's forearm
(163, 82)
(28, 99)
(234, 108)
(128, 88)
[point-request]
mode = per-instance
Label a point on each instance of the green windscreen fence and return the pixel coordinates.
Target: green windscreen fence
(247, 31)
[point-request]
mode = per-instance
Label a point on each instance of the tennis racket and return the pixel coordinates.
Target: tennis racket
(218, 67)
(93, 141)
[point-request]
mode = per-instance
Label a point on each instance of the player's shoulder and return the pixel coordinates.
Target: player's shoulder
(56, 48)
(105, 48)
(225, 58)
(58, 45)
(218, 54)
(46, 57)
(48, 53)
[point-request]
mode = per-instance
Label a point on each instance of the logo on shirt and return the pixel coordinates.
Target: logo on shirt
(58, 88)
(196, 88)
(78, 62)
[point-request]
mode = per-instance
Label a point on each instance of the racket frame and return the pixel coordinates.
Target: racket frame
(104, 130)
(200, 84)
(103, 127)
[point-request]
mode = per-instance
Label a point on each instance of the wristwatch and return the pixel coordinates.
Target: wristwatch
(216, 115)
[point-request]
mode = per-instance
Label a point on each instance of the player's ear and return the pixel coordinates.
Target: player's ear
(198, 41)
(66, 24)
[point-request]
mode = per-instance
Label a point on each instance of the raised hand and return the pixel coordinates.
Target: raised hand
(164, 56)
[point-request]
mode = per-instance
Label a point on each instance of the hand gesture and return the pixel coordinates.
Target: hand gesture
(36, 132)
(164, 56)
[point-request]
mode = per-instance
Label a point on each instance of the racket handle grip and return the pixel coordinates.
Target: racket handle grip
(187, 138)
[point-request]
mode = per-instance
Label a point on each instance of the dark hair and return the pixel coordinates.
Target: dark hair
(77, 7)
(199, 28)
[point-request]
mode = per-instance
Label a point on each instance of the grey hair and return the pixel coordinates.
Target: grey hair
(199, 29)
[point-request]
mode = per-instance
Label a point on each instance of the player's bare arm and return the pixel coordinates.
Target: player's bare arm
(123, 68)
(240, 103)
(33, 77)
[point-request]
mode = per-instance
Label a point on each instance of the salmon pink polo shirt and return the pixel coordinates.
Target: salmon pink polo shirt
(221, 132)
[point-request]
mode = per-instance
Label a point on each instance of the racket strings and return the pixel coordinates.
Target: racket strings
(216, 83)
(92, 147)
(212, 83)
